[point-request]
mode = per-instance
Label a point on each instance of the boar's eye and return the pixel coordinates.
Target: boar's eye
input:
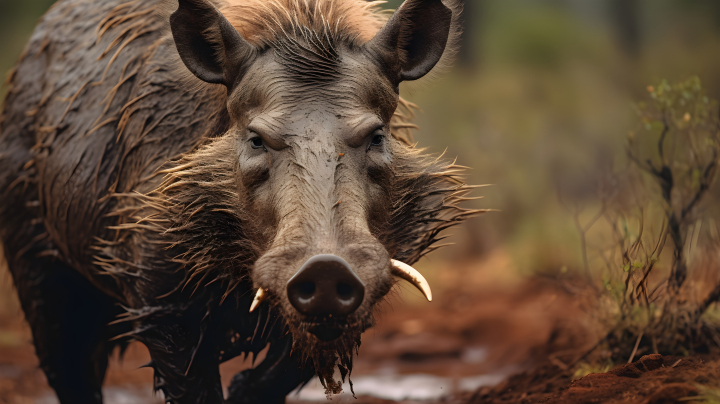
(257, 143)
(377, 140)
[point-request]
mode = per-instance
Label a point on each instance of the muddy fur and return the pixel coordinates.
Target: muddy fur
(196, 212)
(117, 164)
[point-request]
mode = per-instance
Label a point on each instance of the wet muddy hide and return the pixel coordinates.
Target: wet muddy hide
(210, 177)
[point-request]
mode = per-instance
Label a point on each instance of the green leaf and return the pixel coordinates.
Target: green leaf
(696, 177)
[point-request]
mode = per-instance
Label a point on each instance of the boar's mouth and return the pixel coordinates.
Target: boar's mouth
(329, 345)
(325, 292)
(327, 332)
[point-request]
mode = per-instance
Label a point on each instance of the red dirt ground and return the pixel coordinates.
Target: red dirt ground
(654, 379)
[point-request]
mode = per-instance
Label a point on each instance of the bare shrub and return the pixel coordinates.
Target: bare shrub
(659, 245)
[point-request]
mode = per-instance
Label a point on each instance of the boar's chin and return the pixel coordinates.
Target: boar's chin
(316, 342)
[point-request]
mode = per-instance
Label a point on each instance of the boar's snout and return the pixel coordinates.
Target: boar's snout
(326, 288)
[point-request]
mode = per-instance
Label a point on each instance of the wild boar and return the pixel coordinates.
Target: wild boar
(210, 176)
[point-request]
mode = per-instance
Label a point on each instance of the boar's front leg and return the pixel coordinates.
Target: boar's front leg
(68, 318)
(272, 380)
(182, 346)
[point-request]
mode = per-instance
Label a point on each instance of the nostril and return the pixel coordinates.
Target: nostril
(325, 286)
(344, 291)
(306, 289)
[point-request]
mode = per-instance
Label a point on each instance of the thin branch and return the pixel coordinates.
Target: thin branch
(661, 140)
(637, 344)
(708, 177)
(713, 297)
(582, 232)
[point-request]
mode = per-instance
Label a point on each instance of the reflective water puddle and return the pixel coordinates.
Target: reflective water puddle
(387, 386)
(118, 395)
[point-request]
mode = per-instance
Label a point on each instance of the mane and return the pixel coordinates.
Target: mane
(352, 22)
(262, 22)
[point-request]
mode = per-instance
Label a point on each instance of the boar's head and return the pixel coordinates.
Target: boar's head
(315, 202)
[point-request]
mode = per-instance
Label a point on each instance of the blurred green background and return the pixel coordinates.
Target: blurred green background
(538, 104)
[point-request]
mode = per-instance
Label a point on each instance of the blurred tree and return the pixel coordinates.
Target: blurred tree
(682, 124)
(472, 19)
(625, 15)
(707, 7)
(17, 20)
(392, 4)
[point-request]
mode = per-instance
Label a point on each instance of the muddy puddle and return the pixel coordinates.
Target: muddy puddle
(386, 385)
(391, 386)
(116, 395)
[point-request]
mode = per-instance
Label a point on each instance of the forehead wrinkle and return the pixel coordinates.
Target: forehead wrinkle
(361, 120)
(269, 120)
(344, 92)
(275, 87)
(324, 98)
(282, 93)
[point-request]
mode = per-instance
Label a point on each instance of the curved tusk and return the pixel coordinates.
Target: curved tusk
(259, 298)
(410, 274)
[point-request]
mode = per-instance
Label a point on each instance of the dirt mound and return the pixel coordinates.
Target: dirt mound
(654, 379)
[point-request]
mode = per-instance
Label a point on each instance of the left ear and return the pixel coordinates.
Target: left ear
(208, 44)
(414, 39)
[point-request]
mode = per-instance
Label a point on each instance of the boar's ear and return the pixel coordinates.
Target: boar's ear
(414, 39)
(209, 46)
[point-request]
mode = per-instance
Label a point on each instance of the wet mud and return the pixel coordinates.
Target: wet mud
(653, 379)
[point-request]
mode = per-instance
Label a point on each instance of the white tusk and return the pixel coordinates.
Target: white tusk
(410, 274)
(259, 298)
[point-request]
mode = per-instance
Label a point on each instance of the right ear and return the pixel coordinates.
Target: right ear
(209, 46)
(414, 39)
